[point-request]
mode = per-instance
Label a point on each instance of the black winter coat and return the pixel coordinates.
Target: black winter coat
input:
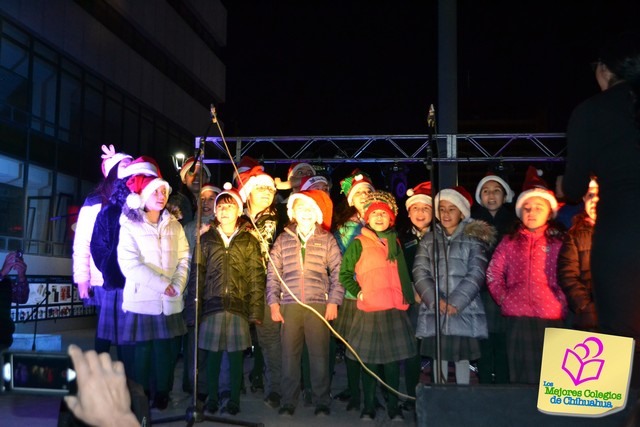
(231, 279)
(574, 273)
(104, 246)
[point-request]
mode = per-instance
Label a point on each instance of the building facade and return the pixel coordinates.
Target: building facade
(76, 74)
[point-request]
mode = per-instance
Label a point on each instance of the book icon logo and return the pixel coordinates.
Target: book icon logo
(581, 363)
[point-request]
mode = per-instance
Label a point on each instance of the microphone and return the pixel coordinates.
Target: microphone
(431, 117)
(214, 117)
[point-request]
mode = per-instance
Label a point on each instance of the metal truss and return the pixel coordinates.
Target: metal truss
(446, 148)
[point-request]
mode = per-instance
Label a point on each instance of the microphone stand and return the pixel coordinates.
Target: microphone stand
(34, 310)
(431, 127)
(195, 413)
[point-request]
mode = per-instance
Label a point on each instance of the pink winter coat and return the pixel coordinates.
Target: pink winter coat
(521, 276)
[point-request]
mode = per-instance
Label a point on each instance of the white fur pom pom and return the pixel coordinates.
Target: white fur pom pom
(134, 201)
(539, 172)
(227, 186)
(410, 192)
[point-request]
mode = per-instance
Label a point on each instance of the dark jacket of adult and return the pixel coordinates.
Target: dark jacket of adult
(231, 279)
(574, 272)
(603, 139)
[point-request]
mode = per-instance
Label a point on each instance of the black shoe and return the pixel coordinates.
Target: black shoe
(273, 400)
(322, 410)
(395, 415)
(211, 408)
(256, 382)
(232, 408)
(353, 405)
(287, 410)
(368, 414)
(160, 401)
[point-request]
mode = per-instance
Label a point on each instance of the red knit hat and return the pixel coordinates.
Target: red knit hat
(421, 193)
(187, 165)
(142, 186)
(381, 200)
(357, 179)
(110, 158)
(535, 186)
(322, 202)
(143, 165)
(228, 189)
(252, 178)
(459, 196)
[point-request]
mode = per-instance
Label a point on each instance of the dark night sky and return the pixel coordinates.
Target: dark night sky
(369, 67)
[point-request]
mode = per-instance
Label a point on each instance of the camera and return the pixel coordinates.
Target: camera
(19, 254)
(38, 373)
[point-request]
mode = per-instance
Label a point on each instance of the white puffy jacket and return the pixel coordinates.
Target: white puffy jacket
(84, 269)
(152, 257)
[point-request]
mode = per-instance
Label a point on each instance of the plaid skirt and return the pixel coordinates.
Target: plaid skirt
(382, 336)
(110, 318)
(224, 331)
(146, 327)
(343, 322)
(452, 347)
(525, 338)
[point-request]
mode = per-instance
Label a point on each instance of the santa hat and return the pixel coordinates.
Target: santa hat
(535, 186)
(320, 199)
(381, 200)
(210, 187)
(421, 193)
(308, 181)
(141, 166)
(246, 163)
(508, 192)
(228, 189)
(357, 179)
(110, 158)
(295, 167)
(459, 196)
(142, 187)
(187, 165)
(251, 179)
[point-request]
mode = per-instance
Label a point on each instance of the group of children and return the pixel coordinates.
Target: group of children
(288, 268)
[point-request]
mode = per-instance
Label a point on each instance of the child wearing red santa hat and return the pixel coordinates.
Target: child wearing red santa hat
(522, 279)
(153, 255)
(460, 247)
(347, 223)
(232, 279)
(307, 259)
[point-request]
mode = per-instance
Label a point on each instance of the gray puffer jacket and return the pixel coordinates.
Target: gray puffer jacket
(314, 280)
(462, 261)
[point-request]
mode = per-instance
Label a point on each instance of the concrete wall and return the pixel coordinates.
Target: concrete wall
(73, 31)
